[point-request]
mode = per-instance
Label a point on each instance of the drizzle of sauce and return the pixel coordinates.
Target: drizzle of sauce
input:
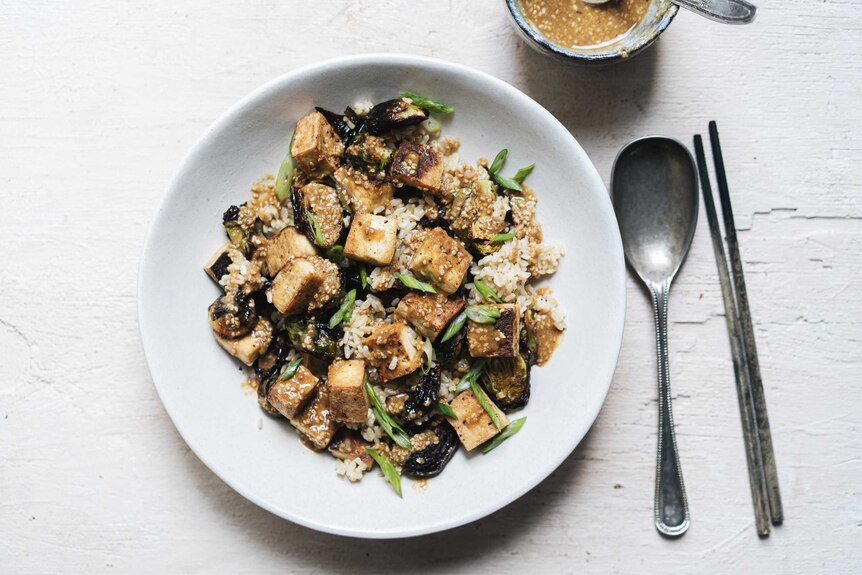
(573, 23)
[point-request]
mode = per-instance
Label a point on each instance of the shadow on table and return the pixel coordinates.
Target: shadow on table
(589, 101)
(493, 535)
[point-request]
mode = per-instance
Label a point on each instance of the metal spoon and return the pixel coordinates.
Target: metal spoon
(724, 11)
(655, 196)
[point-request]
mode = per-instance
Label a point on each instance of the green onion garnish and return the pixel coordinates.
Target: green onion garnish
(445, 410)
(522, 174)
(511, 429)
(503, 237)
(389, 425)
(454, 326)
(428, 350)
(363, 276)
(285, 174)
(388, 470)
(427, 103)
(482, 313)
(315, 226)
(498, 162)
(507, 183)
(342, 312)
(292, 367)
(486, 292)
(485, 403)
(413, 283)
(335, 254)
(472, 375)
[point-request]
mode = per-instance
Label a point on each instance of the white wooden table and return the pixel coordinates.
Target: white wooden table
(100, 100)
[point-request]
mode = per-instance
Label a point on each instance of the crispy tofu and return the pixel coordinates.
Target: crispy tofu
(288, 244)
(296, 285)
(291, 395)
(418, 166)
(395, 351)
(249, 347)
(217, 266)
(347, 397)
(429, 314)
(315, 420)
(472, 423)
(322, 201)
(441, 260)
(363, 193)
(316, 147)
(331, 286)
(371, 239)
(498, 339)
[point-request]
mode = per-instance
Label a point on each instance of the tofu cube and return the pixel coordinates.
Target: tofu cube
(217, 266)
(347, 397)
(315, 420)
(295, 286)
(472, 423)
(364, 193)
(288, 244)
(498, 339)
(322, 201)
(429, 314)
(441, 260)
(249, 347)
(371, 239)
(394, 350)
(418, 166)
(291, 395)
(316, 147)
(331, 286)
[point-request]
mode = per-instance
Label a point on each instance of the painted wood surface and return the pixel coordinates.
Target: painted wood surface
(100, 100)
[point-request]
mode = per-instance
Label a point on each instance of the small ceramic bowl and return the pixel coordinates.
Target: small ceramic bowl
(658, 17)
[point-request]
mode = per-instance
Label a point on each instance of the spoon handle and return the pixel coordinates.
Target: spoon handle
(724, 11)
(671, 504)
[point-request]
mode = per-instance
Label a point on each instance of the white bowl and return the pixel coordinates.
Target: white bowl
(200, 385)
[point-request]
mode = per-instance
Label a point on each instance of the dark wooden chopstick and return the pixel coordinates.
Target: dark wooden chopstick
(756, 476)
(755, 381)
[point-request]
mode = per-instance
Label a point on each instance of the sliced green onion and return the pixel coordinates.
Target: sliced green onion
(454, 326)
(315, 226)
(335, 254)
(507, 183)
(431, 125)
(485, 403)
(503, 237)
(482, 313)
(522, 174)
(486, 292)
(285, 174)
(339, 316)
(389, 425)
(363, 276)
(413, 283)
(427, 103)
(428, 350)
(292, 367)
(511, 429)
(389, 471)
(498, 162)
(472, 375)
(445, 410)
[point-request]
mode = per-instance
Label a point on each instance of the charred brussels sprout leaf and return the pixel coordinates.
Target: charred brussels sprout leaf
(232, 320)
(393, 114)
(507, 379)
(430, 461)
(314, 337)
(348, 125)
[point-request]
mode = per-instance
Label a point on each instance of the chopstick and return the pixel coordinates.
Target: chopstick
(755, 381)
(756, 475)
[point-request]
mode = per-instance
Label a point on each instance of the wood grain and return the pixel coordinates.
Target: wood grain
(101, 99)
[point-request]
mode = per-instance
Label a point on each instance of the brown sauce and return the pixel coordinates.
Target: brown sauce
(572, 23)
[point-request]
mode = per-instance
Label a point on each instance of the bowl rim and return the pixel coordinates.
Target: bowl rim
(172, 190)
(547, 46)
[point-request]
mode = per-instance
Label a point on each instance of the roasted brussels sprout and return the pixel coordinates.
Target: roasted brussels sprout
(234, 316)
(391, 114)
(348, 445)
(430, 460)
(507, 380)
(271, 361)
(369, 152)
(450, 351)
(314, 337)
(482, 248)
(348, 125)
(420, 401)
